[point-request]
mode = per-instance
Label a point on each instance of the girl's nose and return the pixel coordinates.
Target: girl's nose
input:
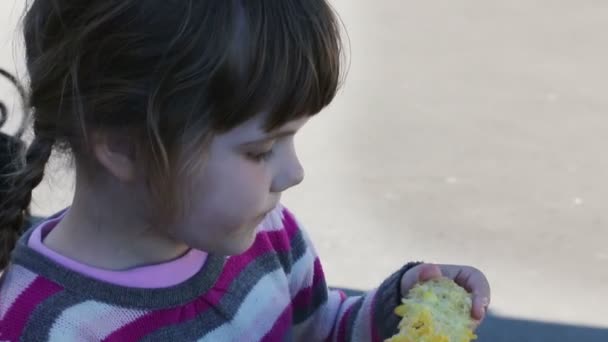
(291, 174)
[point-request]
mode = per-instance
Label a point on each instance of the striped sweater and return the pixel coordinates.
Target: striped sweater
(275, 291)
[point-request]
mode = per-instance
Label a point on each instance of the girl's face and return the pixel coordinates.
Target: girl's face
(245, 172)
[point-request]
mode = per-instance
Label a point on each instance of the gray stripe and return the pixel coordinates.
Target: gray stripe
(319, 297)
(83, 288)
(288, 336)
(298, 248)
(89, 288)
(218, 315)
(44, 316)
(285, 260)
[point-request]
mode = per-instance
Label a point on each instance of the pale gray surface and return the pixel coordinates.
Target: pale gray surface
(469, 132)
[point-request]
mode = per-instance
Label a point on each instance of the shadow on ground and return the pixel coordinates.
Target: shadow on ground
(502, 329)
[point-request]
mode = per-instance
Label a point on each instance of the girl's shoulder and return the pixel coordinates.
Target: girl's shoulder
(35, 308)
(24, 295)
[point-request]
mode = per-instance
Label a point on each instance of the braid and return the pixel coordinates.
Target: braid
(17, 192)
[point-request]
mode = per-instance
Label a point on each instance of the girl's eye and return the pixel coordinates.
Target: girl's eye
(260, 157)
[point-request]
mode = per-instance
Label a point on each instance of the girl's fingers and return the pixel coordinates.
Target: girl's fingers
(417, 274)
(470, 278)
(428, 272)
(475, 282)
(481, 294)
(480, 306)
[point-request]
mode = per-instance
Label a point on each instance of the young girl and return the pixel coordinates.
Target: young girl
(180, 116)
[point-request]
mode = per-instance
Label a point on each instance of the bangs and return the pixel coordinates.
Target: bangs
(284, 61)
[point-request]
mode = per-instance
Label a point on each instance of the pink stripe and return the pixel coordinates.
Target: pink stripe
(20, 279)
(262, 245)
(23, 307)
(235, 265)
(343, 297)
(279, 240)
(238, 263)
(158, 319)
(281, 327)
(303, 299)
(290, 225)
(342, 324)
(318, 269)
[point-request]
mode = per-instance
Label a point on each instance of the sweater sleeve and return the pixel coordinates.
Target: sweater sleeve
(321, 314)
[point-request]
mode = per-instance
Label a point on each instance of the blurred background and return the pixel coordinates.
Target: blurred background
(467, 132)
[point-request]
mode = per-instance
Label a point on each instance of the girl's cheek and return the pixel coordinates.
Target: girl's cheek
(258, 172)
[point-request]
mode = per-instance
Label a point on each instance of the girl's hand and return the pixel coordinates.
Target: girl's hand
(468, 277)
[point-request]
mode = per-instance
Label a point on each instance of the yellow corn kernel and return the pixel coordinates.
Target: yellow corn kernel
(435, 311)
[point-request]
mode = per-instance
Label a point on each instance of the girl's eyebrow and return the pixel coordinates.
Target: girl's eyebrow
(271, 136)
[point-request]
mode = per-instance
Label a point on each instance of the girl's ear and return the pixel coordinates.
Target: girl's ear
(116, 153)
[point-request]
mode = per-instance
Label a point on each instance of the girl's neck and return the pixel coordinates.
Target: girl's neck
(104, 231)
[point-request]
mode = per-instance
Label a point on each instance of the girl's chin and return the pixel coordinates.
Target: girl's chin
(239, 244)
(237, 248)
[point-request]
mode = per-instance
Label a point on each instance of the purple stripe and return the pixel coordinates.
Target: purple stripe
(304, 297)
(233, 268)
(290, 225)
(279, 240)
(23, 307)
(343, 297)
(281, 327)
(151, 322)
(343, 323)
(265, 242)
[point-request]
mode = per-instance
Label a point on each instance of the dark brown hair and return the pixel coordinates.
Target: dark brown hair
(172, 72)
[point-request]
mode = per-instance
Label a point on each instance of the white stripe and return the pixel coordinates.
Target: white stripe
(301, 275)
(16, 280)
(318, 326)
(350, 301)
(258, 312)
(302, 271)
(362, 330)
(273, 220)
(307, 240)
(91, 320)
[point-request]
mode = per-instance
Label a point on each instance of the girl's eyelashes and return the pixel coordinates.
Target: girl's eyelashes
(263, 151)
(259, 156)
